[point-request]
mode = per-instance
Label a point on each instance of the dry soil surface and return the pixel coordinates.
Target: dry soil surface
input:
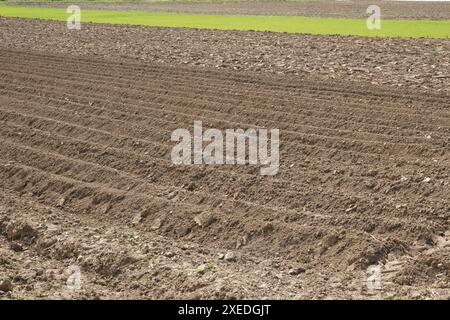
(86, 177)
(404, 63)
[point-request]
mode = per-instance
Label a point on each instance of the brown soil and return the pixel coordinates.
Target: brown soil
(337, 9)
(404, 63)
(86, 178)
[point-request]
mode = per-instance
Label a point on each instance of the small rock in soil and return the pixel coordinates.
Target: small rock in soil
(137, 219)
(204, 219)
(230, 256)
(61, 202)
(297, 270)
(169, 254)
(156, 224)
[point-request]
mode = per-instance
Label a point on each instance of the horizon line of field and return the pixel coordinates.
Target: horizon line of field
(289, 24)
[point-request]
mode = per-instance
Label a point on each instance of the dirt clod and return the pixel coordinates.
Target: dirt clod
(20, 230)
(204, 219)
(6, 285)
(230, 256)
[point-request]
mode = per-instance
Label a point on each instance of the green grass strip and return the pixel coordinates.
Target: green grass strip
(310, 25)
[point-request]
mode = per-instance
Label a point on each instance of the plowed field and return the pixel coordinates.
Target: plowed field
(86, 179)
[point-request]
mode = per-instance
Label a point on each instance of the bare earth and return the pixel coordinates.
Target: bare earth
(402, 63)
(334, 9)
(86, 177)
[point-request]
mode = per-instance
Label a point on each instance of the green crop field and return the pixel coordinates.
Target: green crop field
(291, 24)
